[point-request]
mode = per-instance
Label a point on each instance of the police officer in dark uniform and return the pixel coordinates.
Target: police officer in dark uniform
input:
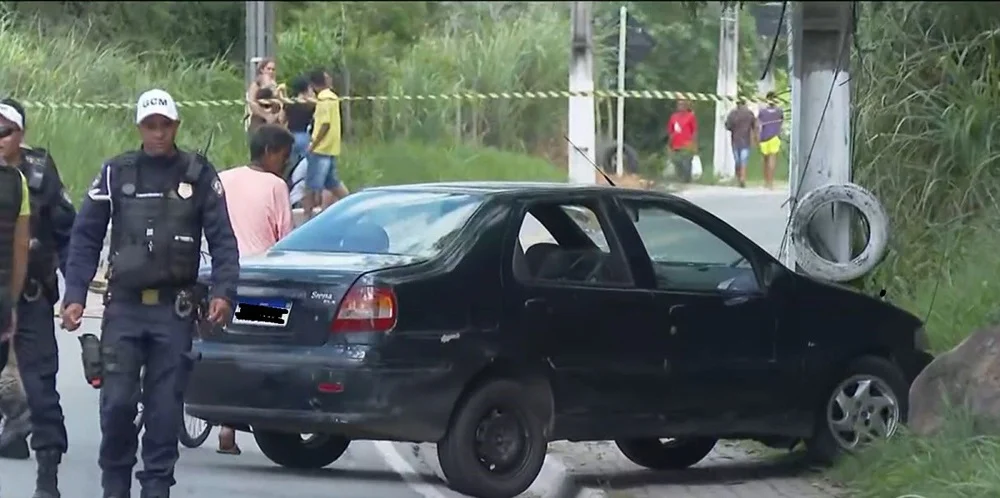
(52, 216)
(15, 230)
(159, 200)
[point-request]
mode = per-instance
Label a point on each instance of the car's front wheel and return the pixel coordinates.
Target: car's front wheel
(495, 445)
(297, 451)
(867, 404)
(666, 454)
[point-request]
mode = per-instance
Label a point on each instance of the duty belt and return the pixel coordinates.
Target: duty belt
(33, 290)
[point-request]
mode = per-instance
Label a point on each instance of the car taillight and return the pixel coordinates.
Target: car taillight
(366, 308)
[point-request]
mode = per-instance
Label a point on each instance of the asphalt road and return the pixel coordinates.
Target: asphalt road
(367, 470)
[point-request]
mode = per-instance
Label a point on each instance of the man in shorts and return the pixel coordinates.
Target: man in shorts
(771, 119)
(324, 147)
(742, 126)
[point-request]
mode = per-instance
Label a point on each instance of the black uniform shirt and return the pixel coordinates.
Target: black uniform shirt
(95, 213)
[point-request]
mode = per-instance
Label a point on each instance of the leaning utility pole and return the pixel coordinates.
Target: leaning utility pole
(259, 41)
(821, 110)
(582, 123)
(722, 157)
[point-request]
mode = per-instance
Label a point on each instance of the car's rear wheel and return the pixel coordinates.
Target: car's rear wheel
(294, 451)
(867, 403)
(666, 454)
(495, 445)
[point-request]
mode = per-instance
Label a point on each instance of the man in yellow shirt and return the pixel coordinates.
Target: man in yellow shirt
(324, 147)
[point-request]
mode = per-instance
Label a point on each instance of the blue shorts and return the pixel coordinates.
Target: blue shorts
(321, 173)
(300, 147)
(742, 156)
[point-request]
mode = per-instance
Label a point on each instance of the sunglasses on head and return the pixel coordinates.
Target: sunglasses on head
(6, 131)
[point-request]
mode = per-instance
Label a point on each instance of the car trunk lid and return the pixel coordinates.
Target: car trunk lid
(290, 298)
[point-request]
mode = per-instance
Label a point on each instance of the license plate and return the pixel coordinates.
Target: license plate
(262, 312)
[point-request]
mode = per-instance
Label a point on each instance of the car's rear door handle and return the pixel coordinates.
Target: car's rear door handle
(537, 304)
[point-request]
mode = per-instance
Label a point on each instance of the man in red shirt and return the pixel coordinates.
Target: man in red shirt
(682, 130)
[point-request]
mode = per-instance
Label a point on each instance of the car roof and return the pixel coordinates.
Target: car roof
(508, 187)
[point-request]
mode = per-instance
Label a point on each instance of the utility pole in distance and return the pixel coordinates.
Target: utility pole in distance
(259, 41)
(723, 161)
(582, 122)
(821, 111)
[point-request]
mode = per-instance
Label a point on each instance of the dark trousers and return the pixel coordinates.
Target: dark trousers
(136, 336)
(38, 363)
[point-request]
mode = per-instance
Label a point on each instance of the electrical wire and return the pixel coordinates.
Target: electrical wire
(774, 41)
(815, 139)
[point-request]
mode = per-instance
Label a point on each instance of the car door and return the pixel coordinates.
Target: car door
(717, 324)
(583, 327)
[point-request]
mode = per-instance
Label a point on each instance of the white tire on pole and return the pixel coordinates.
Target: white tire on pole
(878, 224)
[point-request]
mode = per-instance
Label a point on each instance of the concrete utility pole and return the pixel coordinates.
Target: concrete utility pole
(259, 35)
(722, 157)
(795, 85)
(821, 100)
(582, 123)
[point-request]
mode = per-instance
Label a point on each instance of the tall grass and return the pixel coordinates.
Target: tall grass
(928, 144)
(521, 47)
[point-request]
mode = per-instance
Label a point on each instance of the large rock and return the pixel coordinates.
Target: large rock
(965, 378)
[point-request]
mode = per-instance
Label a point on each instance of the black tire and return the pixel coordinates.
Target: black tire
(294, 452)
(823, 446)
(609, 156)
(461, 463)
(672, 455)
(190, 440)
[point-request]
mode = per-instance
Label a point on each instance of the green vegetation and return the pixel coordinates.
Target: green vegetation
(927, 144)
(109, 52)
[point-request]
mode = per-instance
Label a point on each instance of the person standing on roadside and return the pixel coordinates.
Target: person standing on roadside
(742, 126)
(15, 240)
(261, 212)
(265, 79)
(159, 200)
(682, 132)
(771, 119)
(324, 147)
(52, 216)
(299, 116)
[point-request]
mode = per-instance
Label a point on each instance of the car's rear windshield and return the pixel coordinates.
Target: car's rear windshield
(412, 223)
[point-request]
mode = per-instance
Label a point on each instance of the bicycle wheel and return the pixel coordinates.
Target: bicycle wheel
(194, 431)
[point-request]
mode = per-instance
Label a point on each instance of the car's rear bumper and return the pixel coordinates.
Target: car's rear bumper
(320, 390)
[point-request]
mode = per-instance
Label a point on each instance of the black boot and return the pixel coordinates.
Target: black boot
(155, 492)
(47, 482)
(16, 450)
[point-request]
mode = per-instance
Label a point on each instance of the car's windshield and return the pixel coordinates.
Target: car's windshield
(385, 222)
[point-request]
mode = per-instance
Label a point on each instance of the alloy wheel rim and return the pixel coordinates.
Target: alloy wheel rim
(861, 410)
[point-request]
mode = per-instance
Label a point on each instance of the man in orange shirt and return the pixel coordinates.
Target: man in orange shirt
(259, 209)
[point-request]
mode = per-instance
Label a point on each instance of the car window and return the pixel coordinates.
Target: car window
(686, 255)
(564, 243)
(533, 232)
(385, 222)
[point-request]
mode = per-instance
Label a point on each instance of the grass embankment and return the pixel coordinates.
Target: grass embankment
(928, 146)
(70, 69)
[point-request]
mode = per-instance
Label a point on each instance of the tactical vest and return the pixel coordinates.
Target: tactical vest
(10, 210)
(43, 260)
(155, 231)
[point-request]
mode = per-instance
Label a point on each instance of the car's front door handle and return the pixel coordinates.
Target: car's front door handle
(736, 300)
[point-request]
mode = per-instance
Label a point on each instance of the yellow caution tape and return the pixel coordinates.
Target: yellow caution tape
(560, 94)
